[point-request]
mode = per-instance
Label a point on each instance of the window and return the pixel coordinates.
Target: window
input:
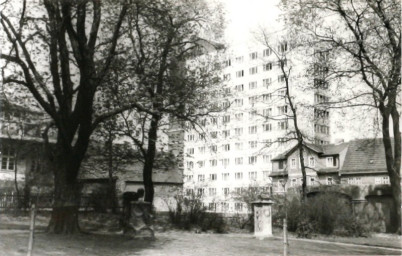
(225, 104)
(253, 55)
(213, 134)
(320, 83)
(253, 70)
(227, 63)
(201, 164)
(189, 191)
(267, 52)
(311, 161)
(239, 207)
(252, 144)
(252, 159)
(190, 165)
(252, 85)
(293, 163)
(283, 47)
(214, 120)
(267, 97)
(201, 177)
(252, 129)
(238, 102)
(239, 160)
(189, 177)
(225, 191)
(213, 148)
(318, 98)
(281, 164)
(266, 158)
(200, 191)
(238, 190)
(267, 66)
(225, 206)
(201, 136)
(266, 82)
(213, 162)
(226, 133)
(201, 150)
(190, 137)
(252, 175)
(239, 146)
(225, 176)
(238, 131)
(239, 59)
(239, 116)
(283, 125)
(252, 100)
(382, 180)
(267, 112)
(225, 162)
(212, 191)
(267, 127)
(238, 175)
(252, 114)
(239, 88)
(281, 79)
(226, 147)
(240, 73)
(330, 181)
(212, 206)
(331, 161)
(282, 110)
(355, 181)
(226, 119)
(226, 77)
(190, 151)
(212, 176)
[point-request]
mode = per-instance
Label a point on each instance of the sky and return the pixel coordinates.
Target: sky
(245, 17)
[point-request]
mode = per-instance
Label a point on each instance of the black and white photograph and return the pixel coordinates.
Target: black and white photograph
(200, 127)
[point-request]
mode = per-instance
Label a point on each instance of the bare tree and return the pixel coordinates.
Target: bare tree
(364, 41)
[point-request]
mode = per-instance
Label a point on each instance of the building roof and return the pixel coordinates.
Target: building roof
(331, 149)
(364, 155)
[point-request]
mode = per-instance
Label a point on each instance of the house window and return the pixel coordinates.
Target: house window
(212, 206)
(190, 151)
(225, 206)
(266, 158)
(226, 119)
(238, 102)
(253, 55)
(226, 77)
(267, 52)
(267, 112)
(267, 66)
(239, 59)
(238, 175)
(252, 114)
(238, 131)
(225, 162)
(331, 161)
(312, 161)
(226, 191)
(201, 177)
(190, 165)
(189, 191)
(213, 148)
(200, 191)
(240, 73)
(239, 207)
(267, 127)
(225, 176)
(252, 175)
(281, 78)
(213, 162)
(226, 147)
(252, 144)
(227, 63)
(201, 164)
(239, 87)
(252, 85)
(226, 133)
(252, 100)
(7, 159)
(267, 97)
(267, 82)
(212, 191)
(283, 47)
(239, 146)
(239, 116)
(283, 125)
(252, 129)
(282, 110)
(253, 70)
(252, 159)
(281, 164)
(293, 163)
(213, 135)
(213, 176)
(354, 181)
(382, 180)
(239, 160)
(201, 150)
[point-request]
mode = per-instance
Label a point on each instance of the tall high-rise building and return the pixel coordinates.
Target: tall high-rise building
(235, 151)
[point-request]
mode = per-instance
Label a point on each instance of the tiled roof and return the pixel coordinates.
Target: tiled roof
(364, 155)
(330, 149)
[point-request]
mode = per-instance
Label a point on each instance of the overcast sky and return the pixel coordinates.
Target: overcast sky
(243, 17)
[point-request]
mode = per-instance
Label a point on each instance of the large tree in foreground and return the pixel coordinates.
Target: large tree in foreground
(363, 38)
(61, 51)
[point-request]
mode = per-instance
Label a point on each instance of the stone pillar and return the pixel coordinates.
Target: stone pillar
(140, 223)
(263, 217)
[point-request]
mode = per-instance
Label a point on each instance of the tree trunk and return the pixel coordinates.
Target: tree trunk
(149, 159)
(64, 218)
(393, 162)
(303, 170)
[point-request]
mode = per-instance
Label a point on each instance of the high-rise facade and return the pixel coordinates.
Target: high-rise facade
(235, 150)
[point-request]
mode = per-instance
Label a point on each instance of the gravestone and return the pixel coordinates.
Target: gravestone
(140, 223)
(263, 217)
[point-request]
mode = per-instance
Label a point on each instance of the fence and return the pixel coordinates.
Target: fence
(10, 200)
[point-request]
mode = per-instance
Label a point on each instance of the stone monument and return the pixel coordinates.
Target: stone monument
(263, 217)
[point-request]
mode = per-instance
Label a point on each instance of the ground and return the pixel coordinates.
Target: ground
(104, 242)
